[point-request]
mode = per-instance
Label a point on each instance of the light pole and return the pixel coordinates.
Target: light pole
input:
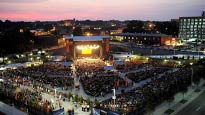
(55, 96)
(174, 44)
(198, 50)
(113, 97)
(192, 72)
(55, 92)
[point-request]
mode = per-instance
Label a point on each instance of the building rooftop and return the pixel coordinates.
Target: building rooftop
(86, 38)
(191, 17)
(140, 34)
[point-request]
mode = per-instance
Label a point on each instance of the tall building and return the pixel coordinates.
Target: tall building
(203, 13)
(192, 29)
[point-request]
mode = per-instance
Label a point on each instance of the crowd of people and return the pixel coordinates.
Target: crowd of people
(53, 74)
(100, 85)
(152, 93)
(145, 74)
(95, 80)
(27, 99)
(89, 66)
(24, 85)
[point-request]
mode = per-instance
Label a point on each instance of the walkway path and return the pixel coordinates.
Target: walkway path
(9, 110)
(175, 105)
(67, 105)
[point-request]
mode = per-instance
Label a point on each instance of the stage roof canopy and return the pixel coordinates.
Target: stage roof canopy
(119, 62)
(86, 38)
(109, 68)
(67, 63)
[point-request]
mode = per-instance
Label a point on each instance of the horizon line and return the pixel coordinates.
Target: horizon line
(85, 20)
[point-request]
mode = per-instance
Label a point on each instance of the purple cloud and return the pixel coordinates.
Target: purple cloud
(96, 9)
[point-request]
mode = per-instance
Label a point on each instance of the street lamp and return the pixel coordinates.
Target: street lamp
(113, 97)
(55, 92)
(174, 44)
(192, 72)
(197, 48)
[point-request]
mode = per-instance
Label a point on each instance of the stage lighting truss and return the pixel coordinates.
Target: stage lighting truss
(80, 47)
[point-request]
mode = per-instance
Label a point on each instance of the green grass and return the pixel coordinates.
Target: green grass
(183, 101)
(169, 111)
(197, 90)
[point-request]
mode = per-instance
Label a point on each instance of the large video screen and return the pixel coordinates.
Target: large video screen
(87, 51)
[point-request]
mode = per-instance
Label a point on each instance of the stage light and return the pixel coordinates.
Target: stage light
(81, 47)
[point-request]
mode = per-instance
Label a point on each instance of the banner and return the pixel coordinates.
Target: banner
(58, 112)
(109, 112)
(96, 111)
(67, 46)
(107, 46)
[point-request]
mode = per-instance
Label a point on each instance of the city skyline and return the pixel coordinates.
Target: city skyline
(52, 10)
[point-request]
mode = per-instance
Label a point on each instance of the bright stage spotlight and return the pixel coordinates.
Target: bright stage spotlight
(81, 47)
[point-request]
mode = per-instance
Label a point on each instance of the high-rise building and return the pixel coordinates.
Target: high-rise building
(192, 29)
(203, 13)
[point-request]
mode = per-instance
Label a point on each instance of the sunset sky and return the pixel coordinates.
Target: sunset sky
(32, 10)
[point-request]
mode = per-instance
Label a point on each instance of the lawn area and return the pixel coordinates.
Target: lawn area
(169, 111)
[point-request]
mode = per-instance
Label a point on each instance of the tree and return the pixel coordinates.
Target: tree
(70, 95)
(81, 99)
(196, 80)
(170, 99)
(149, 107)
(13, 41)
(97, 103)
(168, 27)
(150, 97)
(76, 98)
(183, 90)
(78, 31)
(88, 101)
(134, 26)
